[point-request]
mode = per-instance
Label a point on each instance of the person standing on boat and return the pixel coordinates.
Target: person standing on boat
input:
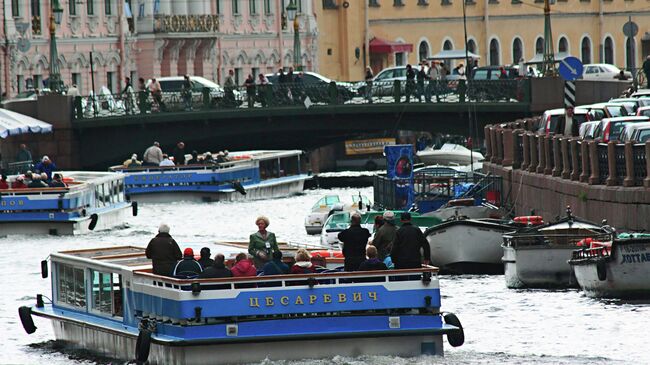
(47, 166)
(217, 270)
(385, 235)
(409, 240)
(163, 252)
(205, 259)
(275, 266)
(354, 239)
(179, 154)
(262, 243)
(23, 155)
(187, 267)
(153, 155)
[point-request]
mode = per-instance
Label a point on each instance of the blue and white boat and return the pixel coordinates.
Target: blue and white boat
(91, 201)
(107, 301)
(247, 175)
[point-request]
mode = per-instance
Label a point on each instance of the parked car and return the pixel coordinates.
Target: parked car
(610, 129)
(587, 129)
(603, 71)
(172, 86)
(604, 110)
(641, 93)
(639, 132)
(551, 117)
(643, 111)
(635, 102)
(316, 86)
(494, 73)
(384, 80)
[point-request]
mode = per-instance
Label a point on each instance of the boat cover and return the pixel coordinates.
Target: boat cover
(12, 124)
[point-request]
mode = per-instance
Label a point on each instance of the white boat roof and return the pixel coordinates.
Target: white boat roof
(453, 147)
(264, 154)
(574, 225)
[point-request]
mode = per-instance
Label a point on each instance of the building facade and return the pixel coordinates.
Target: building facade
(149, 38)
(499, 31)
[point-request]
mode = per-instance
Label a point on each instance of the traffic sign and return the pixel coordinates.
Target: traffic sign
(571, 68)
(630, 29)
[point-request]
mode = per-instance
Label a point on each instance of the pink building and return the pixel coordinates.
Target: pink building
(146, 38)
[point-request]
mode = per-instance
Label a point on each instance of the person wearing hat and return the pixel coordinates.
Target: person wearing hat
(205, 259)
(409, 240)
(47, 166)
(187, 267)
(354, 240)
(163, 252)
(385, 235)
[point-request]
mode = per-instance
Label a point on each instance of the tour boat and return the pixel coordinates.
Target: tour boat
(246, 175)
(107, 301)
(326, 206)
(461, 245)
(618, 269)
(91, 201)
(536, 256)
(449, 154)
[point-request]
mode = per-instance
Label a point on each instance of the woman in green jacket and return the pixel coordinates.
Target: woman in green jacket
(262, 243)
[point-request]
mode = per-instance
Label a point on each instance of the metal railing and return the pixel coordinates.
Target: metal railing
(303, 95)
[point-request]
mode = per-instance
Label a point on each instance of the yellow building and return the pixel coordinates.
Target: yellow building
(382, 33)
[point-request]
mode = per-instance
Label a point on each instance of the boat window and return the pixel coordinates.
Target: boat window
(120, 189)
(269, 169)
(106, 294)
(71, 287)
(289, 166)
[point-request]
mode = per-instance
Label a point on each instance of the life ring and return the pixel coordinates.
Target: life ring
(584, 242)
(601, 270)
(142, 347)
(456, 337)
(529, 219)
(68, 180)
(25, 314)
(93, 221)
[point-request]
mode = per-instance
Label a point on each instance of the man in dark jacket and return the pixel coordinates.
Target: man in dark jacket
(205, 259)
(275, 266)
(188, 267)
(406, 247)
(372, 263)
(217, 270)
(179, 154)
(385, 235)
(163, 252)
(354, 241)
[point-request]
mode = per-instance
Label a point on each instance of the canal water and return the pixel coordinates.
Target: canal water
(501, 325)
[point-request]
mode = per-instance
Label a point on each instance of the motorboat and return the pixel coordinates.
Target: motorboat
(449, 154)
(263, 174)
(91, 201)
(617, 269)
(536, 256)
(461, 245)
(108, 302)
(328, 205)
(467, 207)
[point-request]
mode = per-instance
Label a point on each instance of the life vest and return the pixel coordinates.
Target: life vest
(530, 219)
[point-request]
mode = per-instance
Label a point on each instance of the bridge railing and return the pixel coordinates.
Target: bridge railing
(303, 95)
(587, 161)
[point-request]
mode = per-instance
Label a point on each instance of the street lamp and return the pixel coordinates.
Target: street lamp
(56, 13)
(293, 16)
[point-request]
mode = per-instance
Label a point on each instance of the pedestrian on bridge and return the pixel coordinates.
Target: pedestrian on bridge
(410, 82)
(646, 71)
(229, 88)
(250, 90)
(434, 76)
(369, 77)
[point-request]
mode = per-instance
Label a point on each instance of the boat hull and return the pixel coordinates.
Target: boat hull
(538, 267)
(262, 191)
(467, 247)
(626, 272)
(107, 219)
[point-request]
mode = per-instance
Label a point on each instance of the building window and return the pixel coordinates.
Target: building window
(239, 75)
(539, 45)
(494, 53)
(447, 2)
(108, 8)
(447, 46)
(563, 45)
(398, 3)
(76, 80)
(423, 2)
(585, 50)
(71, 286)
(72, 7)
(471, 46)
(399, 59)
(37, 82)
(111, 81)
(374, 3)
(630, 52)
(36, 8)
(20, 81)
(299, 6)
(235, 7)
(90, 7)
(218, 6)
(252, 7)
(423, 50)
(267, 7)
(254, 72)
(609, 51)
(15, 8)
(517, 53)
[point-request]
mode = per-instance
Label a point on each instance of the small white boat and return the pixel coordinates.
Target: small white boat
(467, 246)
(326, 206)
(449, 154)
(466, 208)
(617, 270)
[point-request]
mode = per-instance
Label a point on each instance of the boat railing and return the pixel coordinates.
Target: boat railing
(552, 239)
(592, 253)
(214, 166)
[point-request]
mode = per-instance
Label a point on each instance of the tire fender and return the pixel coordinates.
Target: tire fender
(601, 270)
(142, 347)
(93, 221)
(25, 314)
(456, 337)
(134, 208)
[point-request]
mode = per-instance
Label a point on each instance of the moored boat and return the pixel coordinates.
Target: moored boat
(247, 175)
(618, 269)
(107, 301)
(461, 245)
(536, 256)
(449, 154)
(91, 201)
(326, 206)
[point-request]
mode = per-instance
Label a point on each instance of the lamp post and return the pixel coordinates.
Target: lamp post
(293, 16)
(54, 82)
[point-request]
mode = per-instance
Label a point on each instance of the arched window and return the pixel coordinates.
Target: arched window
(517, 52)
(447, 46)
(494, 53)
(585, 50)
(563, 45)
(630, 52)
(471, 46)
(539, 45)
(608, 49)
(423, 50)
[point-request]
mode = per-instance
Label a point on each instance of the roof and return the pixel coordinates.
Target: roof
(628, 118)
(378, 45)
(454, 54)
(12, 124)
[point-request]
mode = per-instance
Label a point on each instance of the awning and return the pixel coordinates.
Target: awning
(454, 54)
(378, 45)
(12, 124)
